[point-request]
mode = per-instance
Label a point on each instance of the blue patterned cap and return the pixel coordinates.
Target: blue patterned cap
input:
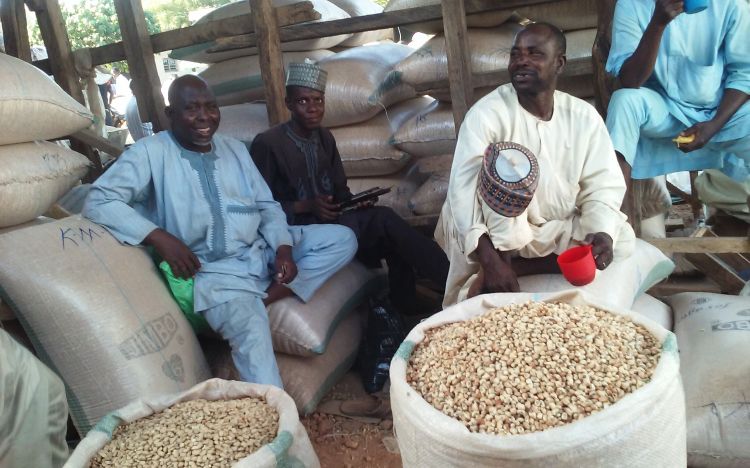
(509, 178)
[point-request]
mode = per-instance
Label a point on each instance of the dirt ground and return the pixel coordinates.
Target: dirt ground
(362, 439)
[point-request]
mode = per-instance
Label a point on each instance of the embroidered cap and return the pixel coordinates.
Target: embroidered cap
(509, 177)
(307, 74)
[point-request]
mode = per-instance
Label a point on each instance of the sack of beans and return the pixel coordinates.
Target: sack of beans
(244, 121)
(430, 196)
(654, 309)
(361, 83)
(356, 8)
(403, 184)
(200, 52)
(216, 423)
(429, 133)
(33, 107)
(366, 149)
(713, 332)
(538, 380)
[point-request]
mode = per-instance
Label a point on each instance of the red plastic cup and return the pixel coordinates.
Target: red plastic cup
(577, 265)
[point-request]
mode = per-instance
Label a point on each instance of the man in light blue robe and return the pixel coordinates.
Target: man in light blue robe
(199, 200)
(683, 74)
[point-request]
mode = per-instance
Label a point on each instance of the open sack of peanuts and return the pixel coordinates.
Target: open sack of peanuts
(217, 423)
(522, 380)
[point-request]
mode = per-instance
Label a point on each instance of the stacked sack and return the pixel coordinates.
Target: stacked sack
(315, 342)
(34, 173)
(234, 75)
(430, 136)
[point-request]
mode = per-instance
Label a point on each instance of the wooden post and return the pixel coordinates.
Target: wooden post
(271, 64)
(15, 34)
(55, 36)
(140, 56)
(604, 84)
(459, 65)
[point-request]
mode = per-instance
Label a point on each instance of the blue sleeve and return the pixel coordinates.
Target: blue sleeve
(109, 202)
(737, 47)
(626, 35)
(273, 225)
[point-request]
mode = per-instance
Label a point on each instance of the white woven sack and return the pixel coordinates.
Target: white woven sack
(361, 83)
(620, 284)
(490, 51)
(565, 14)
(238, 80)
(199, 52)
(644, 429)
(432, 132)
(34, 415)
(309, 379)
(403, 185)
(430, 196)
(99, 315)
(305, 329)
(356, 8)
(291, 447)
(243, 121)
(655, 310)
(713, 332)
(33, 176)
(366, 149)
(33, 107)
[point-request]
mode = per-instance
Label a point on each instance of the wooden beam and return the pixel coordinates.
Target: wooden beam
(199, 33)
(140, 55)
(270, 60)
(459, 59)
(717, 270)
(385, 20)
(15, 34)
(576, 67)
(92, 139)
(55, 36)
(702, 244)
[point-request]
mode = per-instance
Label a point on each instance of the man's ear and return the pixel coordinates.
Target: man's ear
(562, 59)
(288, 102)
(168, 112)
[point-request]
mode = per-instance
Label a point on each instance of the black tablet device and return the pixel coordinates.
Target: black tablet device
(364, 196)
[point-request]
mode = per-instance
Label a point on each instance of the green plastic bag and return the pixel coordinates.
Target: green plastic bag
(182, 291)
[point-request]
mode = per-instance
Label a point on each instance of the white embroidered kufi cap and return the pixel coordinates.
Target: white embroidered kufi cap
(307, 74)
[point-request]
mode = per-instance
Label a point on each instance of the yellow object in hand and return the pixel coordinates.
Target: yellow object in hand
(684, 139)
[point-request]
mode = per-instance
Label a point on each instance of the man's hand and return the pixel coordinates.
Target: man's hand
(702, 133)
(286, 269)
(601, 249)
(324, 209)
(366, 204)
(183, 262)
(498, 276)
(667, 10)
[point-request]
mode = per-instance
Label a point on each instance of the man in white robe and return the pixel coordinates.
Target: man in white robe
(200, 202)
(580, 187)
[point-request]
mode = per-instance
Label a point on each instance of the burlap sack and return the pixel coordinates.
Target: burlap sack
(653, 195)
(308, 379)
(34, 175)
(305, 329)
(33, 107)
(239, 80)
(199, 52)
(243, 121)
(356, 8)
(644, 429)
(430, 196)
(655, 310)
(291, 447)
(34, 415)
(713, 332)
(620, 284)
(565, 14)
(432, 132)
(99, 315)
(366, 149)
(360, 83)
(490, 51)
(403, 185)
